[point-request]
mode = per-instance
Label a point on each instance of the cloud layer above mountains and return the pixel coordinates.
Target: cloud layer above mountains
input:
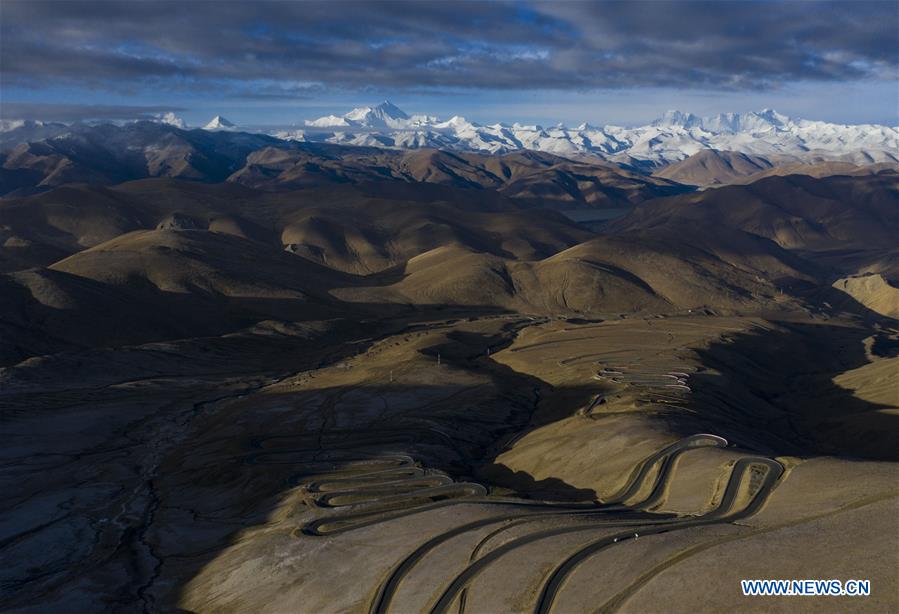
(285, 49)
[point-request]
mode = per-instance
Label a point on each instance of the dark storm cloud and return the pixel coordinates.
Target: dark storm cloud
(496, 45)
(80, 112)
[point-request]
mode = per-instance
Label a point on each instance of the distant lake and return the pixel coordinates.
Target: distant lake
(595, 215)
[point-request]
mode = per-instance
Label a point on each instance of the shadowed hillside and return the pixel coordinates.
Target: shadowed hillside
(845, 223)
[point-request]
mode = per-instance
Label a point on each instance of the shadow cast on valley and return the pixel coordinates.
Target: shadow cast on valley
(775, 392)
(241, 466)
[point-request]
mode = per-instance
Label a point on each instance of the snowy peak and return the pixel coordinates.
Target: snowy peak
(456, 122)
(677, 118)
(773, 116)
(385, 115)
(381, 114)
(219, 123)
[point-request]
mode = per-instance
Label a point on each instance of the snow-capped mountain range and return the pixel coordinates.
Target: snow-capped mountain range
(673, 137)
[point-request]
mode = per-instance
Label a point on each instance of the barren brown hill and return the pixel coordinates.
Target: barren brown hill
(872, 291)
(713, 167)
(357, 228)
(609, 274)
(832, 215)
(151, 285)
(821, 169)
(382, 233)
(457, 276)
(108, 154)
(204, 262)
(530, 178)
(41, 229)
(49, 311)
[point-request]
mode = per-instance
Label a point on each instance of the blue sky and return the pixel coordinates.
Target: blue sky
(608, 62)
